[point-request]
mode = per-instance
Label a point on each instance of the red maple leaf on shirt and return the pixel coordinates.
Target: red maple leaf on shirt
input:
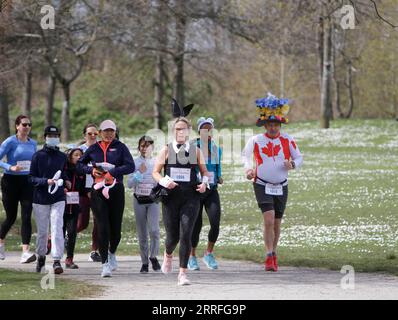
(270, 150)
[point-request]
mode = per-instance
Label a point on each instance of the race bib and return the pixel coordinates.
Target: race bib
(143, 189)
(180, 174)
(72, 197)
(274, 189)
(24, 164)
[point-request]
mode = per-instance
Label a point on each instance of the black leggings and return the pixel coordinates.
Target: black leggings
(71, 215)
(109, 215)
(180, 211)
(17, 189)
(210, 200)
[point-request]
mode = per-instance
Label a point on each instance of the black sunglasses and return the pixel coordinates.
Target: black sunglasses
(26, 124)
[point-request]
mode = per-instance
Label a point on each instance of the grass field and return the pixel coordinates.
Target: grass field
(342, 207)
(17, 285)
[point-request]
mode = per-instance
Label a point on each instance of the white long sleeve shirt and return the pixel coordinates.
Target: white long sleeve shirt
(269, 156)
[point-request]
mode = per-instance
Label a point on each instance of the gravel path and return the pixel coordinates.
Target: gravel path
(233, 280)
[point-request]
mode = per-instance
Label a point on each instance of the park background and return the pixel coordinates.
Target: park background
(125, 60)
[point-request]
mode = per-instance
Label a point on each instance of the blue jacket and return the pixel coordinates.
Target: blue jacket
(117, 154)
(45, 163)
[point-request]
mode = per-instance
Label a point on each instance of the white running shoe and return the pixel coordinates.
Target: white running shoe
(183, 279)
(167, 265)
(106, 270)
(2, 252)
(112, 261)
(27, 257)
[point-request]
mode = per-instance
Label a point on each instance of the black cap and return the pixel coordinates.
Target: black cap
(51, 130)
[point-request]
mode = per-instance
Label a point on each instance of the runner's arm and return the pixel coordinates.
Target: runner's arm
(295, 154)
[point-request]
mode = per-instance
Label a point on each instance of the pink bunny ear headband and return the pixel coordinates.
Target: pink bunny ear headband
(105, 190)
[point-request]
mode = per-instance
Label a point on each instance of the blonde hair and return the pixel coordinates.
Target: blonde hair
(182, 119)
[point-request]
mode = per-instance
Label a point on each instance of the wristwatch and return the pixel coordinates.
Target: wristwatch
(293, 164)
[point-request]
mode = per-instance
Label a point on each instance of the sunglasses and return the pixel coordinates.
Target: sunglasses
(26, 124)
(92, 134)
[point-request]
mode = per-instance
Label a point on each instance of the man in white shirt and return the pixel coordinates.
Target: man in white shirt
(275, 153)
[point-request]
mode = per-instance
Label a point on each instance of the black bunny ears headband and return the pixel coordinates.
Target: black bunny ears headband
(178, 111)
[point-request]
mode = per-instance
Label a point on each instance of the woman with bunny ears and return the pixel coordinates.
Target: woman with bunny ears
(210, 200)
(180, 160)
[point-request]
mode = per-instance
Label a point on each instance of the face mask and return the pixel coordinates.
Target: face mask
(52, 142)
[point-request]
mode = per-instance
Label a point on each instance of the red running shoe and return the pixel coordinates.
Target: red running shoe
(269, 264)
(275, 263)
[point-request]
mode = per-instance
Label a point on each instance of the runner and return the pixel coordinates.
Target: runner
(90, 133)
(210, 200)
(15, 186)
(147, 212)
(111, 159)
(48, 178)
(75, 190)
(180, 159)
(275, 154)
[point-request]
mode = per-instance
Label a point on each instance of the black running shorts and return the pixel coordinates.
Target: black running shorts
(268, 202)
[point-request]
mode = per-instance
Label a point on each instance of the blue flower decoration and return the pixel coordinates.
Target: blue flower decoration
(271, 102)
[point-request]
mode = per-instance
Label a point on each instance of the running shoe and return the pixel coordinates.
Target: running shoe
(57, 267)
(94, 257)
(41, 261)
(106, 270)
(155, 264)
(144, 268)
(112, 261)
(193, 263)
(275, 263)
(69, 264)
(167, 265)
(269, 264)
(27, 257)
(210, 261)
(183, 279)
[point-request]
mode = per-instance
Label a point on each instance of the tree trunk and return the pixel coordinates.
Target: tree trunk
(27, 98)
(282, 79)
(158, 92)
(50, 101)
(178, 90)
(65, 133)
(337, 101)
(326, 76)
(320, 49)
(4, 114)
(350, 91)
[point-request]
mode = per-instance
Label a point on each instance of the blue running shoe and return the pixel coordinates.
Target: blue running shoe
(210, 261)
(193, 263)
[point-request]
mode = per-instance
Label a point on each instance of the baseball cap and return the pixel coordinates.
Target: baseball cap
(107, 124)
(51, 130)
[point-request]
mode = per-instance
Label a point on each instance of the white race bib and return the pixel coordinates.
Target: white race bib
(72, 197)
(180, 174)
(143, 189)
(211, 177)
(274, 189)
(24, 164)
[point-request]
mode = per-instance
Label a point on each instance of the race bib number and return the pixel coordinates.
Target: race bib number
(180, 174)
(143, 189)
(72, 198)
(274, 189)
(25, 165)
